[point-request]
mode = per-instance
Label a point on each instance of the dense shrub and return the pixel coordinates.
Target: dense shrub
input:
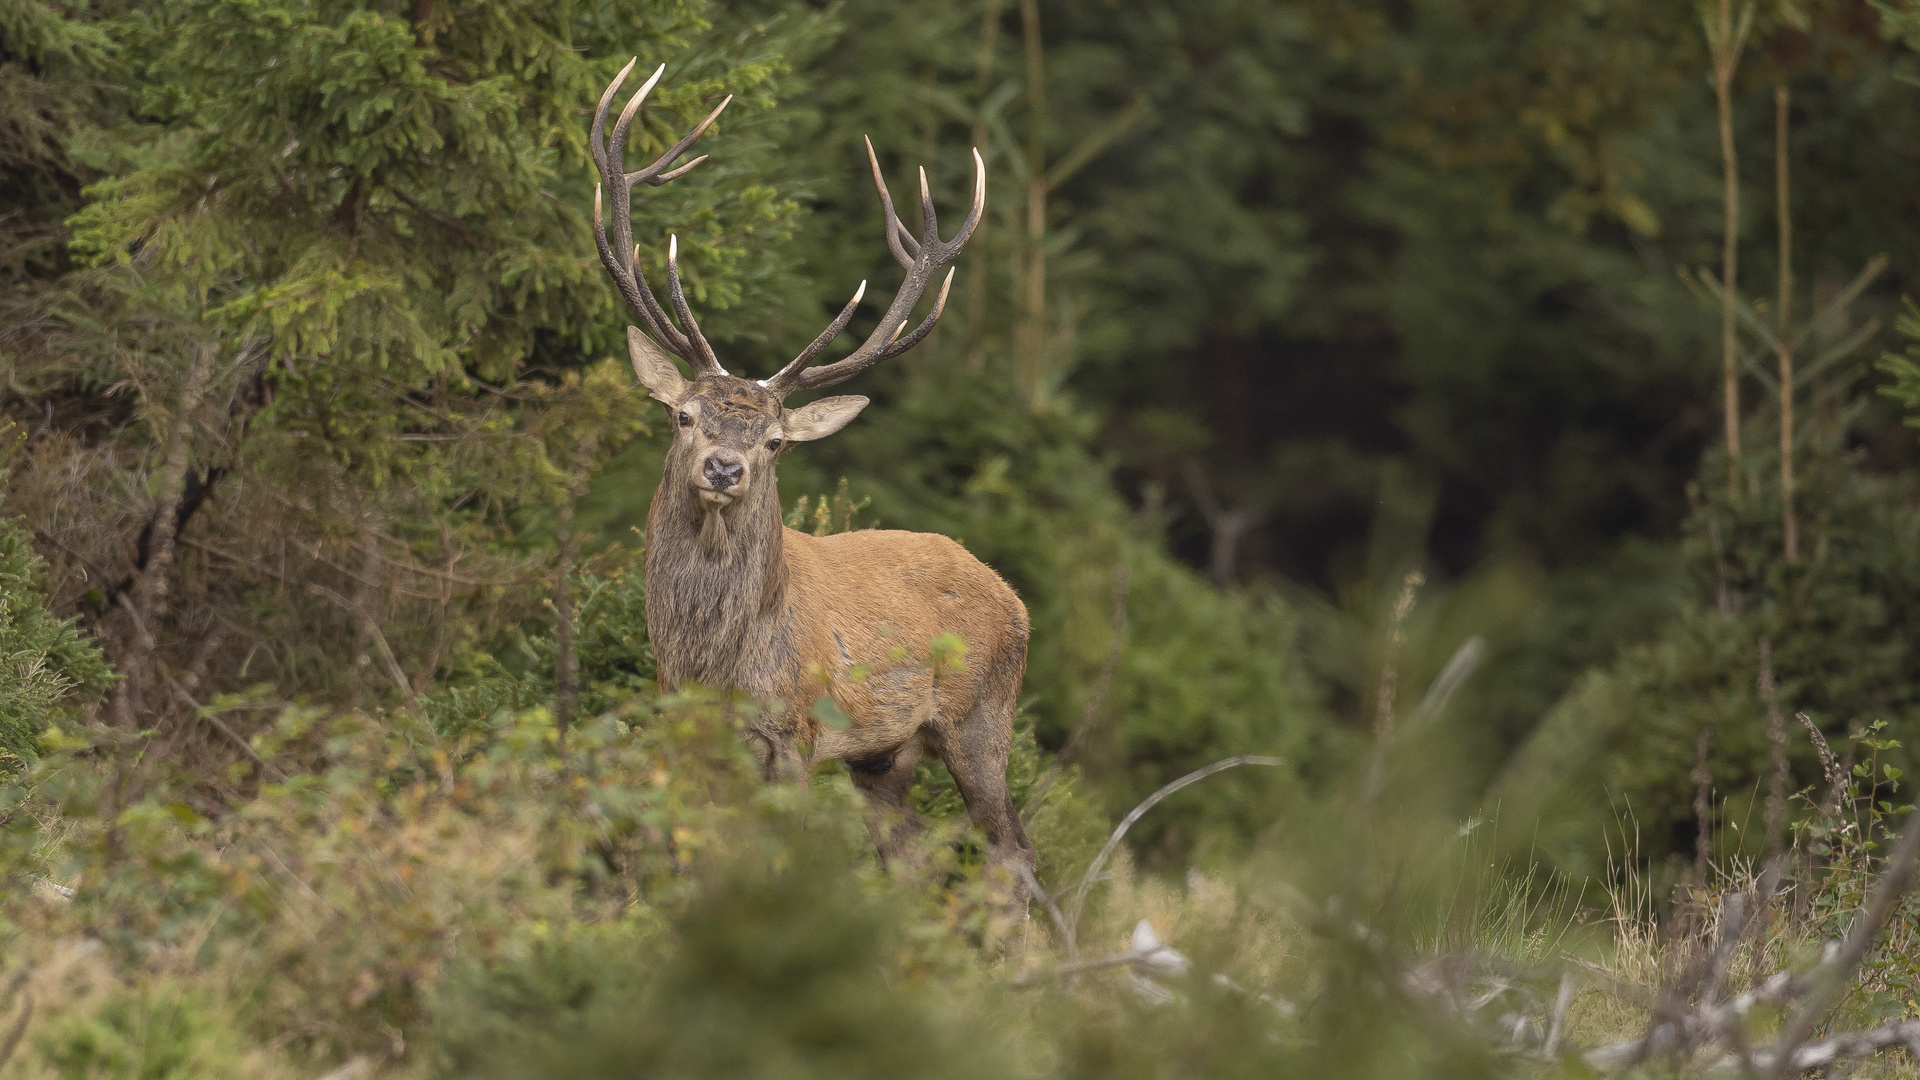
(1843, 624)
(48, 666)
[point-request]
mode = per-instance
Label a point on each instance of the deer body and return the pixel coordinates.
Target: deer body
(735, 600)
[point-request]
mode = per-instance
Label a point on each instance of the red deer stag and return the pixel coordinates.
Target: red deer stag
(736, 600)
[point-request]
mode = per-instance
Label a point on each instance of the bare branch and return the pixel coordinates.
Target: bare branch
(1053, 909)
(1100, 861)
(1832, 977)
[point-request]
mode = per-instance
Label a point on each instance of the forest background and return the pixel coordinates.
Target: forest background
(314, 390)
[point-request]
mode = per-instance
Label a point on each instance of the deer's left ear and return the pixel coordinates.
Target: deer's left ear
(822, 418)
(657, 371)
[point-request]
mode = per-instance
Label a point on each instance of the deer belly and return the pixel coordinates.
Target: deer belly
(884, 710)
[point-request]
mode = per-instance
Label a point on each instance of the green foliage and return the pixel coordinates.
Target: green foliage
(1904, 368)
(1844, 651)
(158, 1033)
(610, 645)
(362, 861)
(527, 910)
(781, 970)
(50, 60)
(825, 515)
(49, 667)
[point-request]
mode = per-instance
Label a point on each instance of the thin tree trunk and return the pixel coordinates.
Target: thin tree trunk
(1702, 816)
(1033, 327)
(1228, 527)
(366, 605)
(1789, 524)
(976, 284)
(422, 11)
(1777, 749)
(565, 676)
(1726, 58)
(149, 593)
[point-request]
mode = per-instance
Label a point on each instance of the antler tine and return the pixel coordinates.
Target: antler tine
(890, 338)
(617, 147)
(607, 158)
(929, 223)
(896, 229)
(826, 337)
(979, 207)
(651, 174)
(608, 154)
(679, 172)
(680, 305)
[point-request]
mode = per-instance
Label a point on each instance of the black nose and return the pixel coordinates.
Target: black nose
(722, 474)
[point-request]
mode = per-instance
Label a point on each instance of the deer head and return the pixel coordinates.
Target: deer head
(730, 431)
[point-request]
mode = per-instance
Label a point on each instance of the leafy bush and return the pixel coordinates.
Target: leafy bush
(154, 1033)
(48, 666)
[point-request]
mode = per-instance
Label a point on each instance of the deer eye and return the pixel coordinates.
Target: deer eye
(773, 444)
(685, 420)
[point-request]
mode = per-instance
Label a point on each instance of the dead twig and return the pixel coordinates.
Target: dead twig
(1733, 930)
(1147, 951)
(1703, 1026)
(1851, 1044)
(1053, 909)
(1558, 1027)
(212, 717)
(1831, 977)
(1100, 861)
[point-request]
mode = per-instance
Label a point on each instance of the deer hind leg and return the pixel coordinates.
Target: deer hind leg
(885, 780)
(975, 750)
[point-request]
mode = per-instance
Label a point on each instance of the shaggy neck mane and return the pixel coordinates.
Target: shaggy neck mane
(713, 573)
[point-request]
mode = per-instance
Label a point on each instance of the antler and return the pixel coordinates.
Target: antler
(921, 258)
(608, 158)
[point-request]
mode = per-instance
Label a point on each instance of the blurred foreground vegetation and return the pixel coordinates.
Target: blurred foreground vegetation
(1336, 382)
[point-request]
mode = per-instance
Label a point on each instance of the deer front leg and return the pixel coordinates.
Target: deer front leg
(774, 740)
(886, 779)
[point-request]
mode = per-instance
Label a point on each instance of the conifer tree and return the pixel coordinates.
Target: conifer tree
(339, 266)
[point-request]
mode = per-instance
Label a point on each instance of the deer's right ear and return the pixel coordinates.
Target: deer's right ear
(656, 369)
(821, 418)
